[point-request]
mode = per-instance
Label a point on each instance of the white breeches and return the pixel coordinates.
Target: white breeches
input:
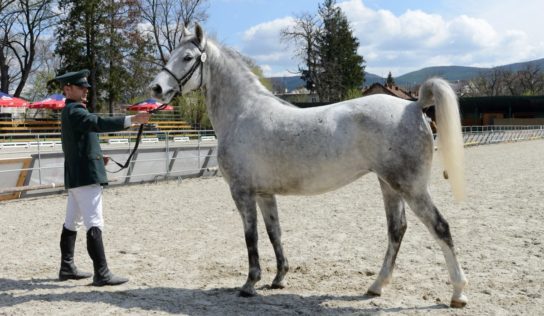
(84, 207)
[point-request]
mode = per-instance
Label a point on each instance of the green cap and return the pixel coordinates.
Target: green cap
(78, 78)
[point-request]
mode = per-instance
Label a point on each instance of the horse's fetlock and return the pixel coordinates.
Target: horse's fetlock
(254, 275)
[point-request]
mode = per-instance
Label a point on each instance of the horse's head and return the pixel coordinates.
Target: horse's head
(183, 72)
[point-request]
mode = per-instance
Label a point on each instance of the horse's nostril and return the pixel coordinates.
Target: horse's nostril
(157, 89)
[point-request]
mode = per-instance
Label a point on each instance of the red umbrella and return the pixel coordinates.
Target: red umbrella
(53, 102)
(7, 100)
(147, 105)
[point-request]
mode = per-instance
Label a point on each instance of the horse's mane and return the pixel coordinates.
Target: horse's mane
(242, 64)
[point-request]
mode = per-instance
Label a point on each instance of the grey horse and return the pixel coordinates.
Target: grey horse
(267, 146)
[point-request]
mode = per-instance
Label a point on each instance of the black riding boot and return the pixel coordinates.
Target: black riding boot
(95, 247)
(68, 269)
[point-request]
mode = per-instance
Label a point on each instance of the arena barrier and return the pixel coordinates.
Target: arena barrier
(161, 156)
(36, 170)
(493, 134)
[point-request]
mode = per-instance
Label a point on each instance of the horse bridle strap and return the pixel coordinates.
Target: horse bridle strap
(185, 78)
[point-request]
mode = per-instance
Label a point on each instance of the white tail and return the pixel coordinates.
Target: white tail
(439, 93)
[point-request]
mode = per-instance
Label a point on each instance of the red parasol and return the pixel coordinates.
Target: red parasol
(7, 100)
(147, 105)
(53, 102)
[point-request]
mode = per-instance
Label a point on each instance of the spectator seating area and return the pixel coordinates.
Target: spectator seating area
(53, 126)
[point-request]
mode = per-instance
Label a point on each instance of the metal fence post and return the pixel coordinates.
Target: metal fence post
(167, 158)
(39, 159)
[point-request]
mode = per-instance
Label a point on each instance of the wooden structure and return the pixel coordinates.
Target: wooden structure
(16, 177)
(53, 126)
(502, 110)
(389, 89)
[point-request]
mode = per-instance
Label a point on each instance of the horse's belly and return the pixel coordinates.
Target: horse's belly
(309, 183)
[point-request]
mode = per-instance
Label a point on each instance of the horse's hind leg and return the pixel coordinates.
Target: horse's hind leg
(269, 209)
(427, 212)
(396, 227)
(245, 202)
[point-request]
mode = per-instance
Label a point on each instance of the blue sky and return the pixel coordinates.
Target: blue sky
(395, 35)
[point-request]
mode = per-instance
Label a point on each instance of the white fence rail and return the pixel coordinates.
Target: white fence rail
(483, 135)
(161, 155)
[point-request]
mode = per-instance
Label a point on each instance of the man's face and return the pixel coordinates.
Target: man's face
(76, 93)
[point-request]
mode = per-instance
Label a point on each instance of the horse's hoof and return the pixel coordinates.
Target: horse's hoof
(374, 290)
(372, 293)
(459, 302)
(278, 285)
(247, 292)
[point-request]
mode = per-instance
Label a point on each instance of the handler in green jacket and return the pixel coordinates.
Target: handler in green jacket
(84, 176)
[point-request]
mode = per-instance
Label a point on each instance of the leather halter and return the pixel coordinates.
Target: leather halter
(185, 78)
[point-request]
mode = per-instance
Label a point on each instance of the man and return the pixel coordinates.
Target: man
(84, 175)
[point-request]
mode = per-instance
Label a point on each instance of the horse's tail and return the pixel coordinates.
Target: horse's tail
(439, 93)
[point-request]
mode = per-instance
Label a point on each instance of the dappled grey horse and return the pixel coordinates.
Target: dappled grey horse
(266, 147)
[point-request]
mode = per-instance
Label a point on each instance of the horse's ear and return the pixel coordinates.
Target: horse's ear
(186, 31)
(200, 36)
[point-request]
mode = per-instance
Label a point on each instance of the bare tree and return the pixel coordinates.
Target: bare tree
(304, 35)
(499, 81)
(531, 80)
(7, 20)
(4, 4)
(21, 33)
(510, 84)
(45, 64)
(487, 84)
(168, 18)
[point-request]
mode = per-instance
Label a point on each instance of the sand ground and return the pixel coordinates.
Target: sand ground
(182, 246)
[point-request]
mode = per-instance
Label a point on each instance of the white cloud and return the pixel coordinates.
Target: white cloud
(263, 43)
(411, 40)
(265, 38)
(417, 39)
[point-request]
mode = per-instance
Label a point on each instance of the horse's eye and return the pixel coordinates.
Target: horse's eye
(188, 58)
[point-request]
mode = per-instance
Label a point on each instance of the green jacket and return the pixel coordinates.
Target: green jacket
(83, 160)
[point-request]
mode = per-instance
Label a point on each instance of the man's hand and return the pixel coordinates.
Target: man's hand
(106, 159)
(141, 118)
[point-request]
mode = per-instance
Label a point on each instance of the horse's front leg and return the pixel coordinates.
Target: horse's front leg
(245, 202)
(269, 209)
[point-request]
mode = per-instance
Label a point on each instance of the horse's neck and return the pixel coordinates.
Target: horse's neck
(230, 85)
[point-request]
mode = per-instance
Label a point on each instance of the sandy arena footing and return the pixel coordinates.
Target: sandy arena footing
(182, 246)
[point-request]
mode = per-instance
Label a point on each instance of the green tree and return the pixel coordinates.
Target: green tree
(126, 53)
(103, 36)
(326, 45)
(342, 68)
(192, 108)
(80, 41)
(390, 81)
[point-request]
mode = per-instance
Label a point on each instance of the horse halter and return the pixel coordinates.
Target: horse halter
(185, 78)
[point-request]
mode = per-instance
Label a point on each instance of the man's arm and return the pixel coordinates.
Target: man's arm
(83, 121)
(140, 118)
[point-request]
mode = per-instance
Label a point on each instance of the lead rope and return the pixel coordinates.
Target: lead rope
(138, 139)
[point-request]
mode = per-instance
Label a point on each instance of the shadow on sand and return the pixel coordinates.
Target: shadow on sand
(217, 301)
